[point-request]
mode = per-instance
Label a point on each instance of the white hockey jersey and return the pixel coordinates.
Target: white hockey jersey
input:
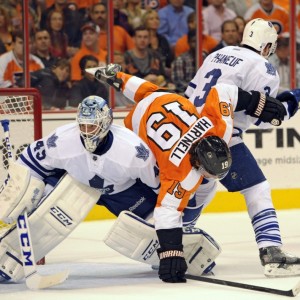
(238, 66)
(124, 159)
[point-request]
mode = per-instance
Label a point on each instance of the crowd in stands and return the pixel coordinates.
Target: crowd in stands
(155, 40)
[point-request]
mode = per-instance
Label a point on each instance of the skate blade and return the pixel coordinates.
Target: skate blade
(281, 270)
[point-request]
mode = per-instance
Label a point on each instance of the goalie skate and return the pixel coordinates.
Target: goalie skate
(278, 263)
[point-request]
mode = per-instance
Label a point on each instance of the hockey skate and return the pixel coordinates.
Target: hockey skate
(107, 74)
(278, 263)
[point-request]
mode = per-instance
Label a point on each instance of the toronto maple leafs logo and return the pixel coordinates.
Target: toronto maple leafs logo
(98, 183)
(142, 152)
(270, 69)
(51, 142)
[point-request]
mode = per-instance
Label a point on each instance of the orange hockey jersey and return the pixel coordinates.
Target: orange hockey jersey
(169, 124)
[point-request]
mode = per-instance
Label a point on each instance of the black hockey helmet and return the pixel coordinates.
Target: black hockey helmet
(211, 155)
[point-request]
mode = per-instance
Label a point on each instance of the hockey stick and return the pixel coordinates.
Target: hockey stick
(34, 280)
(289, 293)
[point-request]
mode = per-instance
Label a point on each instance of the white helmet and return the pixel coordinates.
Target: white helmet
(258, 33)
(93, 110)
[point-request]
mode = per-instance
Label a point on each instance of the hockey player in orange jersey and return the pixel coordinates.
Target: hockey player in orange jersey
(188, 147)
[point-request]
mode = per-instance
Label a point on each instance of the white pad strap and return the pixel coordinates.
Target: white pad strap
(135, 238)
(55, 218)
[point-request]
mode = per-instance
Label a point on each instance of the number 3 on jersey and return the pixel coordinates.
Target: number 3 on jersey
(213, 77)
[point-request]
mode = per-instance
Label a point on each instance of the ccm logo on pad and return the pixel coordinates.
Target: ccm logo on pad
(61, 216)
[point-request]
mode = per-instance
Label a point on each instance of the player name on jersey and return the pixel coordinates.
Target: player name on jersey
(229, 60)
(183, 146)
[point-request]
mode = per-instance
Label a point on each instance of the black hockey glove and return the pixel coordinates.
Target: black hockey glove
(292, 98)
(172, 265)
(265, 108)
(108, 74)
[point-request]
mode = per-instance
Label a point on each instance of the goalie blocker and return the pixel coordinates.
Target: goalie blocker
(137, 239)
(56, 217)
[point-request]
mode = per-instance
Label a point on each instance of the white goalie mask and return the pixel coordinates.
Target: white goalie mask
(258, 33)
(94, 118)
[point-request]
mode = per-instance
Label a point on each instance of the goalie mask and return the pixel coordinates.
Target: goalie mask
(258, 33)
(211, 156)
(94, 118)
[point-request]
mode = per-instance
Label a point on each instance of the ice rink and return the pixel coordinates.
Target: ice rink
(97, 272)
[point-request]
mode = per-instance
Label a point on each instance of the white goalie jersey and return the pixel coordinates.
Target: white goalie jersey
(116, 166)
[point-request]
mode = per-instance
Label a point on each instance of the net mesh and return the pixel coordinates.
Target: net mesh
(19, 110)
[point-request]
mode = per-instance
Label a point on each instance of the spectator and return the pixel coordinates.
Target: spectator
(240, 7)
(184, 66)
(134, 13)
(241, 23)
(11, 62)
(122, 40)
(230, 35)
(72, 22)
(120, 99)
(17, 20)
(266, 9)
(157, 41)
(142, 61)
(42, 45)
(214, 16)
(5, 29)
(90, 46)
(173, 21)
(120, 18)
(59, 39)
(182, 45)
(281, 61)
(52, 84)
(88, 85)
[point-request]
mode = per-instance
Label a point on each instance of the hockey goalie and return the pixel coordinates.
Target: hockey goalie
(59, 178)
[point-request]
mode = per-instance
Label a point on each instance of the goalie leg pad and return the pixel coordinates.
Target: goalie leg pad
(13, 189)
(200, 250)
(135, 238)
(29, 200)
(55, 218)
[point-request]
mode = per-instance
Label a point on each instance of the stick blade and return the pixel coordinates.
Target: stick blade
(296, 289)
(37, 282)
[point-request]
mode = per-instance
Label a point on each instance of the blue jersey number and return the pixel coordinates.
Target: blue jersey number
(213, 75)
(39, 150)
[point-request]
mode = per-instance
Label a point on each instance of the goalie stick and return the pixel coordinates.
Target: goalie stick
(33, 279)
(289, 293)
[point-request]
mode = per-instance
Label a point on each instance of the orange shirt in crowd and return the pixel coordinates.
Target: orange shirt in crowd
(122, 40)
(182, 45)
(278, 16)
(10, 67)
(75, 68)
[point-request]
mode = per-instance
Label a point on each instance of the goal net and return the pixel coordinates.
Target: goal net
(22, 107)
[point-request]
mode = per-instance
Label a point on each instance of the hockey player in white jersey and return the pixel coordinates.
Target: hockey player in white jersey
(248, 68)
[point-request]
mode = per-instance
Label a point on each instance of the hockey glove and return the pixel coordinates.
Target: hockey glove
(108, 74)
(172, 265)
(292, 98)
(266, 108)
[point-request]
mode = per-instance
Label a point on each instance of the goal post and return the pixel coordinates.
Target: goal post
(23, 108)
